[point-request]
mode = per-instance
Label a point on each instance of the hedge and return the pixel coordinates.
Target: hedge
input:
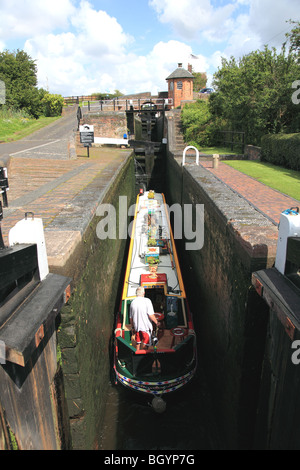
(281, 149)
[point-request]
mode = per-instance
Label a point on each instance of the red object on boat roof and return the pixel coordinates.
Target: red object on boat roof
(146, 279)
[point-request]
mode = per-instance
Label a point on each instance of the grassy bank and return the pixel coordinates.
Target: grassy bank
(14, 125)
(282, 179)
(218, 150)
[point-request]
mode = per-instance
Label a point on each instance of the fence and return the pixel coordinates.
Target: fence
(78, 99)
(122, 104)
(232, 139)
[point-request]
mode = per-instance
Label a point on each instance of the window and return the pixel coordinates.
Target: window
(179, 85)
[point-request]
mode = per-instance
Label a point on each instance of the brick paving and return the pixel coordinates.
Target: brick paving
(58, 192)
(266, 200)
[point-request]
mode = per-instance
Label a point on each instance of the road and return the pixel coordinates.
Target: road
(51, 142)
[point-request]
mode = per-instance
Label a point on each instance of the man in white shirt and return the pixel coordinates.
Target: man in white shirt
(141, 315)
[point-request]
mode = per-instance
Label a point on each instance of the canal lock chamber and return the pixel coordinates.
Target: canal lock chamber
(86, 330)
(230, 322)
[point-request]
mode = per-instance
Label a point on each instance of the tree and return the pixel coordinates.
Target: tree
(19, 73)
(253, 94)
(107, 96)
(294, 39)
(200, 80)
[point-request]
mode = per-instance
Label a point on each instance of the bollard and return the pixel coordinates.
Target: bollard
(216, 157)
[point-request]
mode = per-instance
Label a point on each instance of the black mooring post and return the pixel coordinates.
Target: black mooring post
(1, 238)
(2, 246)
(3, 185)
(3, 189)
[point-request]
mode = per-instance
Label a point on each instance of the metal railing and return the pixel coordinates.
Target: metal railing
(232, 139)
(122, 104)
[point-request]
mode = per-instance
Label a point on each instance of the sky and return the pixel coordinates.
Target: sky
(87, 46)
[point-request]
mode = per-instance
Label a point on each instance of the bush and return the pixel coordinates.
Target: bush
(52, 104)
(281, 149)
(195, 118)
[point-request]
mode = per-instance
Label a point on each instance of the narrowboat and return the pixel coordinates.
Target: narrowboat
(170, 362)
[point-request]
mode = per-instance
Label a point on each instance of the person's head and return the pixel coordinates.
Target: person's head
(140, 292)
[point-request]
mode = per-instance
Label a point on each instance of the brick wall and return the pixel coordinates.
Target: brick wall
(252, 152)
(112, 125)
(180, 94)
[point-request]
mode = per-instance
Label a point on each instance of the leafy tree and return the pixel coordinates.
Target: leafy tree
(108, 96)
(200, 80)
(254, 94)
(294, 39)
(195, 117)
(18, 71)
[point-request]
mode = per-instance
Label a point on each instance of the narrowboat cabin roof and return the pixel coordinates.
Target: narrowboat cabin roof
(140, 250)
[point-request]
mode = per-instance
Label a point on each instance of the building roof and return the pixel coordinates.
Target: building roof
(180, 72)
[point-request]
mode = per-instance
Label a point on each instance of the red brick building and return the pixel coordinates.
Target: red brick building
(180, 85)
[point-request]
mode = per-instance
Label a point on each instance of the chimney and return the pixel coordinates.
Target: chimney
(190, 68)
(179, 65)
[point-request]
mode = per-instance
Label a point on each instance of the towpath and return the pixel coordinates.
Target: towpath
(264, 199)
(51, 142)
(45, 178)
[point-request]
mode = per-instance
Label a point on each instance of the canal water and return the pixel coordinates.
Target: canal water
(188, 422)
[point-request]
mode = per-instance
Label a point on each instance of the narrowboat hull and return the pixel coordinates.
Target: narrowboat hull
(170, 362)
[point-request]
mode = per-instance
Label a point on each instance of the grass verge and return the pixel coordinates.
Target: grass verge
(276, 177)
(15, 126)
(218, 150)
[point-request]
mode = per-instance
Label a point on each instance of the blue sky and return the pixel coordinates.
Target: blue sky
(85, 46)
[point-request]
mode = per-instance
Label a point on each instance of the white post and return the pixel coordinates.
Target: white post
(289, 226)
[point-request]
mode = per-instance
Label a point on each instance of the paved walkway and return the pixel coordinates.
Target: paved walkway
(64, 193)
(46, 178)
(51, 142)
(266, 200)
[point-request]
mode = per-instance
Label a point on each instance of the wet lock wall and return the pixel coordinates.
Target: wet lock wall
(231, 320)
(87, 321)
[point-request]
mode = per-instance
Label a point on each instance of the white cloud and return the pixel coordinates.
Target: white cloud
(84, 60)
(242, 39)
(191, 17)
(268, 19)
(80, 49)
(149, 73)
(93, 57)
(99, 33)
(238, 21)
(265, 23)
(27, 17)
